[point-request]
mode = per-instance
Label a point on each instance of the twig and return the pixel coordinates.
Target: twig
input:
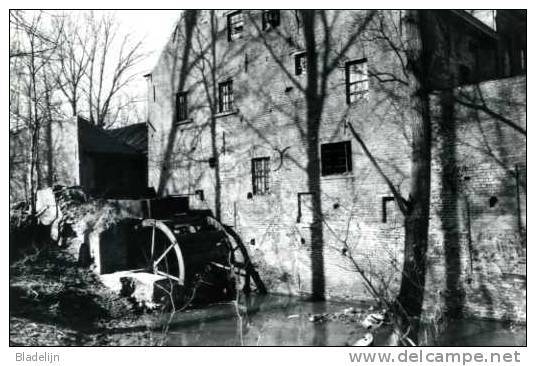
(402, 203)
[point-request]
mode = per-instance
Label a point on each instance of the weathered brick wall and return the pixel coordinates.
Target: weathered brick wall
(478, 216)
(270, 120)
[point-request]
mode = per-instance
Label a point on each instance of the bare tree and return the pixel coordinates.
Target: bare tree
(72, 59)
(419, 41)
(35, 49)
(314, 34)
(64, 59)
(110, 62)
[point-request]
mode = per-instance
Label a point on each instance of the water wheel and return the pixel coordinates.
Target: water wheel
(163, 254)
(239, 260)
(199, 256)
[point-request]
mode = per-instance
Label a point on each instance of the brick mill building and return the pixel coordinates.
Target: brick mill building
(227, 103)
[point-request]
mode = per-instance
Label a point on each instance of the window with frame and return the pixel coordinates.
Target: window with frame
(226, 97)
(235, 25)
(357, 82)
(260, 175)
(270, 19)
(181, 106)
(336, 158)
(300, 63)
(387, 210)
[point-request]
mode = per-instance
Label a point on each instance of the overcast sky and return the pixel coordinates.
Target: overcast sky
(153, 26)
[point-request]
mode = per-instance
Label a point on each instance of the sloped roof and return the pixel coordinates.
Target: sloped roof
(94, 139)
(133, 135)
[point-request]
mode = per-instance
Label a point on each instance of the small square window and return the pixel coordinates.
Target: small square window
(357, 82)
(260, 174)
(300, 62)
(181, 106)
(270, 19)
(226, 97)
(336, 158)
(235, 25)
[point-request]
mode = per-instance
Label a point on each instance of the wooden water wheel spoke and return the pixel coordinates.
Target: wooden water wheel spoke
(139, 270)
(171, 277)
(152, 242)
(219, 265)
(246, 266)
(155, 263)
(239, 247)
(218, 246)
(162, 246)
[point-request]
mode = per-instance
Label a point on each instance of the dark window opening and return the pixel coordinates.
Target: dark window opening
(357, 82)
(385, 200)
(464, 74)
(235, 25)
(336, 158)
(226, 97)
(181, 106)
(260, 173)
(300, 63)
(475, 50)
(270, 19)
(493, 201)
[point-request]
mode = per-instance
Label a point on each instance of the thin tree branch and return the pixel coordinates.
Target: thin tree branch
(401, 202)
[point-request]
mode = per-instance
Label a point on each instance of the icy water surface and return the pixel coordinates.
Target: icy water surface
(284, 321)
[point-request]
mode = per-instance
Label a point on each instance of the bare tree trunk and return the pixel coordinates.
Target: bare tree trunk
(49, 141)
(104, 52)
(34, 156)
(215, 153)
(411, 295)
(314, 111)
(90, 77)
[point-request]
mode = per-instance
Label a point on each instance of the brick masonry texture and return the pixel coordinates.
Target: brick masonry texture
(477, 160)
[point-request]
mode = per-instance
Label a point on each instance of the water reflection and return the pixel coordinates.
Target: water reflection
(320, 331)
(284, 321)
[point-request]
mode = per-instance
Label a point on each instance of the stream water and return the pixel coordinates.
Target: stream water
(284, 321)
